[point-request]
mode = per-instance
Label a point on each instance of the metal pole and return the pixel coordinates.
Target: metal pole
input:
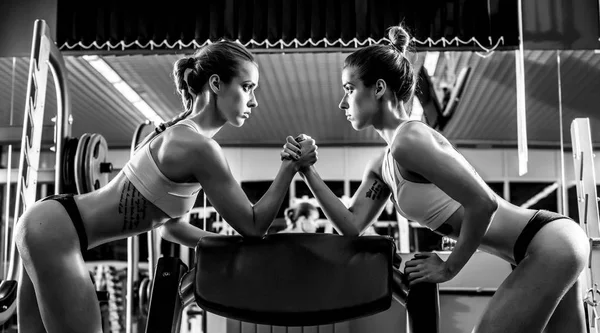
(7, 228)
(133, 253)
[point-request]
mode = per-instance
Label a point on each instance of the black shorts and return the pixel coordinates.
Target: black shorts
(537, 221)
(71, 207)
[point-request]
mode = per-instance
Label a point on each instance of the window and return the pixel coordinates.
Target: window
(534, 195)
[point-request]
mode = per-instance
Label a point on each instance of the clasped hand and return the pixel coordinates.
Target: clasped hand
(302, 150)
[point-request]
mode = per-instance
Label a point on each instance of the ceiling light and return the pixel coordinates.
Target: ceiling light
(122, 87)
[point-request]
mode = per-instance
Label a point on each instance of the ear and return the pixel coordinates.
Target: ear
(380, 88)
(214, 82)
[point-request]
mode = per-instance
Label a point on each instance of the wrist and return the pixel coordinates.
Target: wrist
(450, 270)
(306, 170)
(289, 165)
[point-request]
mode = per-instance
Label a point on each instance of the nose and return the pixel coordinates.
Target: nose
(253, 103)
(343, 104)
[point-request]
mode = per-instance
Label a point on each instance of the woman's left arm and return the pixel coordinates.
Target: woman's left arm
(424, 151)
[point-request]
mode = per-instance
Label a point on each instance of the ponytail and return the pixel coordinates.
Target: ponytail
(162, 127)
(191, 73)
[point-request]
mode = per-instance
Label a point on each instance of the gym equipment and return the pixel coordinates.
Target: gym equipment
(290, 280)
(68, 165)
(587, 202)
(133, 259)
(44, 56)
(91, 167)
(165, 296)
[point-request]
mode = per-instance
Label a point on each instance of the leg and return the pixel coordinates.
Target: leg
(529, 296)
(49, 248)
(28, 313)
(569, 315)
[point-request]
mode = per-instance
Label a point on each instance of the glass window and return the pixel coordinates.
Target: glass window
(524, 192)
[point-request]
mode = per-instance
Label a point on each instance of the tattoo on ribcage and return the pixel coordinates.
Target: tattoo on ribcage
(132, 206)
(377, 191)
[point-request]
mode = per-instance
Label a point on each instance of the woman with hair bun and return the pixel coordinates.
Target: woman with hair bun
(156, 186)
(430, 182)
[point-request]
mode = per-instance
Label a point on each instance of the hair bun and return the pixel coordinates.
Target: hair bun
(399, 38)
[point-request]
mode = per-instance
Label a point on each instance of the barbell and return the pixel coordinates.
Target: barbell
(84, 164)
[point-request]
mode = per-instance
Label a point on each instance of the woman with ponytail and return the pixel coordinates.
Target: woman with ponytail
(159, 184)
(431, 183)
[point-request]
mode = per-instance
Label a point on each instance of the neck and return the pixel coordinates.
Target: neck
(207, 117)
(391, 117)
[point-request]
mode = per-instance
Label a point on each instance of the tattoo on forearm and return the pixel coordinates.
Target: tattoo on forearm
(377, 191)
(132, 206)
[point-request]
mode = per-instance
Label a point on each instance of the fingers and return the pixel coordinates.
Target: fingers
(417, 280)
(293, 141)
(291, 153)
(415, 276)
(285, 156)
(412, 262)
(302, 137)
(421, 255)
(292, 148)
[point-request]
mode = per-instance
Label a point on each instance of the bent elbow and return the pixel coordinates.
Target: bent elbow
(165, 232)
(491, 204)
(487, 205)
(162, 232)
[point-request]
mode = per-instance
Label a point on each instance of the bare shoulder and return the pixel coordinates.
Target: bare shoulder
(415, 137)
(375, 164)
(184, 144)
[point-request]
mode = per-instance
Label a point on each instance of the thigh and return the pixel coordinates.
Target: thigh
(49, 248)
(527, 298)
(65, 294)
(569, 314)
(28, 313)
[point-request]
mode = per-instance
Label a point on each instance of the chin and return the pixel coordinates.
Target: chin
(358, 127)
(237, 122)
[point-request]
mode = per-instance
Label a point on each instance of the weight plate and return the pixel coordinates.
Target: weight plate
(68, 165)
(95, 157)
(79, 165)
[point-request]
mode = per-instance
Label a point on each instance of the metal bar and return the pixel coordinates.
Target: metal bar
(29, 156)
(540, 195)
(133, 253)
(472, 291)
(583, 161)
(186, 287)
(44, 176)
(14, 135)
(6, 229)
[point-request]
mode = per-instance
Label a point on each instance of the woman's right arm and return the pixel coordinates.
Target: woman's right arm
(183, 233)
(366, 205)
(227, 197)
